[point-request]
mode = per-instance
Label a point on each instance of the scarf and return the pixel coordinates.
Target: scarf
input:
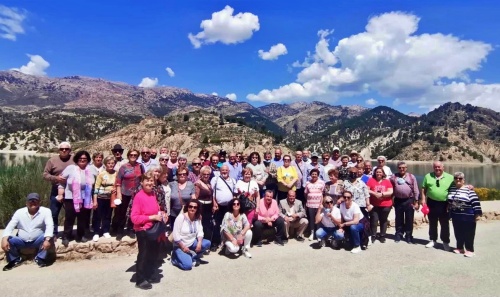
(82, 195)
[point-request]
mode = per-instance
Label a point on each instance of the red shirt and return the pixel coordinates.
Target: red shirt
(144, 205)
(381, 186)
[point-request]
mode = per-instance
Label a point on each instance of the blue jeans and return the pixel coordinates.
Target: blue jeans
(16, 244)
(55, 208)
(329, 231)
(185, 260)
(356, 231)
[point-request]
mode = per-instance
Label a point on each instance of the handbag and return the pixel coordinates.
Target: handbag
(154, 232)
(246, 203)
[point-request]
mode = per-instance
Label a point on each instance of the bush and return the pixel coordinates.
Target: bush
(486, 194)
(16, 182)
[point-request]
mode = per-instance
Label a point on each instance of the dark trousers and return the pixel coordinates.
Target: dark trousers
(438, 212)
(101, 218)
(311, 215)
(207, 221)
(404, 211)
(120, 218)
(146, 257)
(379, 215)
(366, 215)
(69, 220)
(464, 233)
(218, 217)
(258, 228)
(282, 195)
(55, 208)
(300, 196)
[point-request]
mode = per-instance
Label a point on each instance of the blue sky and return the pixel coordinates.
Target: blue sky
(409, 55)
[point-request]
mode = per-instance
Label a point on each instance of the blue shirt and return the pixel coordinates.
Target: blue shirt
(278, 162)
(310, 167)
(234, 170)
(365, 178)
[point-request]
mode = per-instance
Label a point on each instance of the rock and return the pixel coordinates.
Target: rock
(497, 213)
(2, 255)
(125, 250)
(90, 255)
(83, 248)
(115, 244)
(61, 249)
(128, 242)
(104, 247)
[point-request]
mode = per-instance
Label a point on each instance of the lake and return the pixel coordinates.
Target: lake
(486, 176)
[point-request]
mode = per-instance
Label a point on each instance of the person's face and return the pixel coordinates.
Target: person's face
(232, 158)
(133, 156)
(314, 161)
(459, 181)
(359, 160)
(163, 150)
(244, 159)
(192, 208)
(298, 156)
(83, 161)
(118, 154)
(182, 162)
(314, 176)
(381, 162)
(98, 161)
(163, 161)
(147, 185)
(379, 174)
(345, 161)
(173, 156)
(238, 157)
(162, 179)
(267, 157)
(333, 178)
(402, 169)
(255, 159)
(247, 176)
(354, 158)
(64, 151)
(224, 172)
(438, 169)
(214, 161)
(205, 176)
(328, 203)
(146, 154)
(325, 158)
(291, 197)
(268, 198)
(360, 171)
(196, 164)
(182, 176)
(277, 154)
(348, 199)
(336, 154)
(287, 161)
(110, 165)
(33, 205)
(236, 205)
(156, 174)
(368, 168)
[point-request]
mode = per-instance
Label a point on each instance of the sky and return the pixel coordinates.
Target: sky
(409, 55)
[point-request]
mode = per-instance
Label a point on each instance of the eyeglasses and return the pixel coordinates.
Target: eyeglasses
(287, 160)
(402, 167)
(360, 160)
(202, 160)
(133, 155)
(255, 157)
(329, 202)
(163, 159)
(64, 149)
(196, 164)
(182, 174)
(347, 197)
(146, 153)
(437, 183)
(83, 159)
(118, 152)
(459, 178)
(192, 207)
(381, 160)
(206, 174)
(236, 204)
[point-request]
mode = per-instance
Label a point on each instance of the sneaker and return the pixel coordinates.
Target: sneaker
(95, 238)
(356, 250)
(373, 238)
(259, 243)
(458, 251)
(40, 262)
(131, 234)
(409, 240)
(247, 254)
(279, 242)
(65, 242)
(321, 243)
(119, 236)
(397, 238)
(300, 238)
(154, 280)
(381, 239)
(145, 285)
(469, 254)
(13, 264)
(106, 235)
(430, 244)
(213, 248)
(370, 241)
(311, 237)
(446, 247)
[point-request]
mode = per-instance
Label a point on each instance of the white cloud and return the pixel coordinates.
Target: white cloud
(11, 22)
(275, 51)
(36, 66)
(215, 94)
(170, 72)
(389, 58)
(371, 101)
(226, 28)
(231, 96)
(149, 82)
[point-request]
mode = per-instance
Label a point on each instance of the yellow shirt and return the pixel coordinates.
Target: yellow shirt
(286, 175)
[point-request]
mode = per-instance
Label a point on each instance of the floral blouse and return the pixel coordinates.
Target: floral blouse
(359, 191)
(233, 225)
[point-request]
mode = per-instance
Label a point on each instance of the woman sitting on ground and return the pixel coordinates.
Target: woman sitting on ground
(236, 230)
(329, 219)
(189, 244)
(353, 222)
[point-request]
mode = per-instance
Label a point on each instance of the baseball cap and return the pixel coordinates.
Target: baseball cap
(33, 196)
(314, 155)
(336, 149)
(353, 152)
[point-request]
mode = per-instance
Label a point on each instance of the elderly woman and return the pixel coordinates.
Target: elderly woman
(353, 221)
(182, 191)
(313, 190)
(329, 219)
(204, 193)
(103, 189)
(97, 165)
(189, 244)
(334, 187)
(236, 230)
(194, 173)
(127, 180)
(381, 163)
(287, 177)
(163, 159)
(77, 193)
(344, 168)
(250, 189)
(259, 173)
(465, 209)
(380, 190)
(145, 213)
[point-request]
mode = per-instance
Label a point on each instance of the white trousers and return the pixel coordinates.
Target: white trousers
(233, 249)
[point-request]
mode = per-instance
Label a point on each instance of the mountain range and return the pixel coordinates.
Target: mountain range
(37, 112)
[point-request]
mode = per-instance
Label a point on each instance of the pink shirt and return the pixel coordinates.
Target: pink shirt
(171, 165)
(314, 193)
(144, 205)
(272, 212)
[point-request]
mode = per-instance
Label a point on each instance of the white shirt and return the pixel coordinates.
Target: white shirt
(387, 171)
(243, 187)
(186, 231)
(31, 228)
(223, 193)
(327, 168)
(326, 221)
(348, 214)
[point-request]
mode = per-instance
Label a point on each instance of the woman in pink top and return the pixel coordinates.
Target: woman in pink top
(145, 212)
(313, 191)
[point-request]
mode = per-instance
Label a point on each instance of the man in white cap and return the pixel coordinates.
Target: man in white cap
(335, 160)
(354, 159)
(52, 173)
(35, 230)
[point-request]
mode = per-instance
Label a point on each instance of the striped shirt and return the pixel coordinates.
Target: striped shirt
(464, 204)
(314, 193)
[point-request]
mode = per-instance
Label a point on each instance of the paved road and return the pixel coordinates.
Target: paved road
(390, 269)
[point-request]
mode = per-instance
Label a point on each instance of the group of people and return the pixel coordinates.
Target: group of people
(233, 201)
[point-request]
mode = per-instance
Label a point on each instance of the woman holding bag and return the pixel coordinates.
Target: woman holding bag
(144, 215)
(249, 189)
(103, 190)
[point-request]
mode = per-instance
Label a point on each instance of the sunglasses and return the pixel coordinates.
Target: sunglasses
(63, 149)
(360, 160)
(162, 159)
(329, 202)
(196, 164)
(236, 204)
(202, 160)
(380, 161)
(146, 153)
(287, 160)
(459, 178)
(192, 207)
(255, 157)
(133, 155)
(402, 167)
(347, 197)
(83, 159)
(182, 174)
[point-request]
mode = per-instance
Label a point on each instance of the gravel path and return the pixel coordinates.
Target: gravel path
(390, 269)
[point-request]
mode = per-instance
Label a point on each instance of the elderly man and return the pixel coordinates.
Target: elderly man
(268, 216)
(35, 230)
(381, 163)
(164, 150)
(300, 166)
(315, 165)
(52, 173)
(153, 153)
(435, 194)
(367, 171)
(278, 160)
(146, 159)
(305, 156)
(354, 159)
(405, 202)
(234, 167)
(335, 159)
(294, 215)
(224, 189)
(214, 165)
(271, 170)
(325, 161)
(117, 152)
